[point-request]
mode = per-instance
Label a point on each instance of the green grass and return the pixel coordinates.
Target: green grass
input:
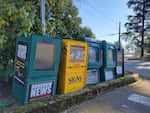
(4, 104)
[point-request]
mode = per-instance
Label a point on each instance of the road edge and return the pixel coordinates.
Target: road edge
(60, 103)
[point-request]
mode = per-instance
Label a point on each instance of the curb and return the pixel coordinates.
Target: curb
(60, 103)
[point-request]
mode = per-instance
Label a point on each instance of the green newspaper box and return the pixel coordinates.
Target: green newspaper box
(109, 61)
(120, 63)
(36, 67)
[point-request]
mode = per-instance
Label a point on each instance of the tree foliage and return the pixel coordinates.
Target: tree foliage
(22, 18)
(63, 20)
(138, 24)
(16, 19)
(86, 32)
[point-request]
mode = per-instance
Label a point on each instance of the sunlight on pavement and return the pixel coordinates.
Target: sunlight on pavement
(142, 86)
(143, 67)
(145, 63)
(139, 99)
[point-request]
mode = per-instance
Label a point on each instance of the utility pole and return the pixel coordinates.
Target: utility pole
(43, 16)
(142, 33)
(119, 35)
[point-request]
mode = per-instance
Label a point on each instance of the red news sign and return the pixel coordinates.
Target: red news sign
(40, 90)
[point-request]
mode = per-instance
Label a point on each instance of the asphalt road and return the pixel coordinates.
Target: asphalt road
(141, 67)
(134, 98)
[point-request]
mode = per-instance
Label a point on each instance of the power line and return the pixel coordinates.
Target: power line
(92, 15)
(98, 19)
(112, 34)
(108, 35)
(104, 15)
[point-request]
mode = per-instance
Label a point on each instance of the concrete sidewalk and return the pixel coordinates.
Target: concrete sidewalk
(134, 98)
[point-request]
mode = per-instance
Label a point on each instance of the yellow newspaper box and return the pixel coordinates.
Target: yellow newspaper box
(73, 66)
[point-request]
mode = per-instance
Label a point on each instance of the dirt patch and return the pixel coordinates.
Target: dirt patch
(7, 102)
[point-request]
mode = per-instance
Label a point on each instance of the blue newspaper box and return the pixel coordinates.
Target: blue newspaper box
(109, 61)
(94, 60)
(36, 67)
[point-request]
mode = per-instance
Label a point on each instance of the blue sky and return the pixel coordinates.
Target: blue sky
(103, 17)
